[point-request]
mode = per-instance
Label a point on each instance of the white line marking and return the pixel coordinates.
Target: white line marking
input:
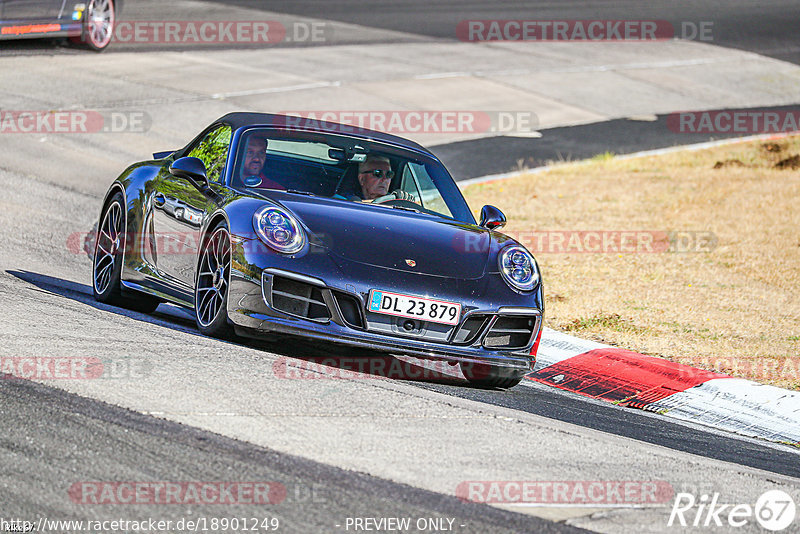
(283, 89)
(439, 75)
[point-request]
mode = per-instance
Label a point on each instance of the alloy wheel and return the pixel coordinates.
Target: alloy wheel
(212, 279)
(109, 241)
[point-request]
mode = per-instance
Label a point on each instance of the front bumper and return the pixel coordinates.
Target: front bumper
(253, 314)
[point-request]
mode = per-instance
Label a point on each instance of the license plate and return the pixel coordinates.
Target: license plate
(435, 311)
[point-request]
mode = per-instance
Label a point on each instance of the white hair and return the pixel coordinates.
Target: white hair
(373, 158)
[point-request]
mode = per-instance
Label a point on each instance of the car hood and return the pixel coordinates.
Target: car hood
(389, 238)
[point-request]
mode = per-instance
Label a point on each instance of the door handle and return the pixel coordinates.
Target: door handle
(160, 200)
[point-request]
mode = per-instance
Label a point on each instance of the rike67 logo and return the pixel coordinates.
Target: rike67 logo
(774, 510)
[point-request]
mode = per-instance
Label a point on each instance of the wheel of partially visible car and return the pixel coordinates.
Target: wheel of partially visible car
(99, 24)
(491, 376)
(109, 252)
(211, 284)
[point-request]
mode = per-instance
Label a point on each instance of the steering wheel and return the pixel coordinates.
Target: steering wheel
(252, 181)
(397, 194)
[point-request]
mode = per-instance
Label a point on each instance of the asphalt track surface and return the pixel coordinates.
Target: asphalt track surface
(105, 442)
(530, 397)
(768, 28)
(765, 28)
(569, 407)
(51, 436)
(465, 159)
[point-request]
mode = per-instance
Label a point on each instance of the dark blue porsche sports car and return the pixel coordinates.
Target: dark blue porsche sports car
(90, 22)
(268, 227)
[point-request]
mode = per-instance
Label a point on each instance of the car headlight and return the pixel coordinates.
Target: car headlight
(279, 229)
(518, 268)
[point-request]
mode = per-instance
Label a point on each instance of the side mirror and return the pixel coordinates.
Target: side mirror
(492, 218)
(192, 169)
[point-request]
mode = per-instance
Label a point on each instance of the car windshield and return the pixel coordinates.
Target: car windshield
(347, 169)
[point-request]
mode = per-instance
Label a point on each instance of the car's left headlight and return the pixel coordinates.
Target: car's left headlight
(279, 229)
(518, 268)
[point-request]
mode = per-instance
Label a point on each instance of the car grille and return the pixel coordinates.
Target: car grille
(511, 332)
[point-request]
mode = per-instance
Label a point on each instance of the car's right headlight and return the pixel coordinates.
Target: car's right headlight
(518, 268)
(279, 229)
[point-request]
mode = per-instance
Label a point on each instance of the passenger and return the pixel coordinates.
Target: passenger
(251, 173)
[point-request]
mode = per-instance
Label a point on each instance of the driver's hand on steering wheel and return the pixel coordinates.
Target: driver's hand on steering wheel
(397, 194)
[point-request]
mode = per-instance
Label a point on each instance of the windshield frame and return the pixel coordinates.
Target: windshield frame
(443, 180)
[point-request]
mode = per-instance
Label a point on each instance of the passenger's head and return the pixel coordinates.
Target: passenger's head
(254, 156)
(375, 176)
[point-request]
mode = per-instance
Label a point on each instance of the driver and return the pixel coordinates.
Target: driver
(254, 157)
(375, 176)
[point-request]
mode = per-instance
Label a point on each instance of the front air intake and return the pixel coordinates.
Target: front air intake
(511, 332)
(350, 308)
(298, 298)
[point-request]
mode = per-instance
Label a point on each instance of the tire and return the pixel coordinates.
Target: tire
(491, 376)
(211, 284)
(99, 24)
(109, 251)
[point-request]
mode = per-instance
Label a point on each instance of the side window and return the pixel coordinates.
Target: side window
(213, 150)
(408, 183)
(418, 182)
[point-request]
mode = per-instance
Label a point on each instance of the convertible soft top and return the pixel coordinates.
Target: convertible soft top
(242, 119)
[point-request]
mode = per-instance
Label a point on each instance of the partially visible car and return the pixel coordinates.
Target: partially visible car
(90, 23)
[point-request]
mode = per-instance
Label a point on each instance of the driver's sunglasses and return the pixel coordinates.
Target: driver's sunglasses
(380, 173)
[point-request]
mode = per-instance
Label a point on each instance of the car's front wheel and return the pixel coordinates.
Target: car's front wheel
(491, 376)
(211, 284)
(109, 253)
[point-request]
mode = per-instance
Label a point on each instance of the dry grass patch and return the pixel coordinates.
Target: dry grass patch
(731, 307)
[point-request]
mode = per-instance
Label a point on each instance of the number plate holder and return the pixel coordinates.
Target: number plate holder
(411, 307)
